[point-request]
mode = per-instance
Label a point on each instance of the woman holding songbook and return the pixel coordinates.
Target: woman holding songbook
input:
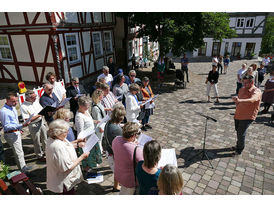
(146, 171)
(98, 113)
(109, 99)
(132, 104)
(112, 130)
(63, 169)
(147, 94)
(120, 89)
(83, 121)
(126, 156)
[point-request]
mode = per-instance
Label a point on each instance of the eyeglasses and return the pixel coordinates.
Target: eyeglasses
(76, 82)
(133, 75)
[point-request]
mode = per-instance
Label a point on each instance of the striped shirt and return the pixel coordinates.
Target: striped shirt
(109, 101)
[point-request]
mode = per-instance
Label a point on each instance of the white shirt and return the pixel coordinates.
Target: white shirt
(215, 60)
(29, 108)
(240, 73)
(59, 90)
(83, 121)
(108, 78)
(60, 156)
(132, 108)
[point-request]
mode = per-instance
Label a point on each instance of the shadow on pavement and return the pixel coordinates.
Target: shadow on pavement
(190, 152)
(192, 102)
(263, 120)
(221, 108)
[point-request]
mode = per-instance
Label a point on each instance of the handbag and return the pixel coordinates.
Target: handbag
(141, 115)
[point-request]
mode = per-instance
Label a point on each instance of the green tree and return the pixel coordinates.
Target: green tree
(180, 32)
(268, 38)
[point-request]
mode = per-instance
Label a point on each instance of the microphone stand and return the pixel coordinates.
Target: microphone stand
(203, 152)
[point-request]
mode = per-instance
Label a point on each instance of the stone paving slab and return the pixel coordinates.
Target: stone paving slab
(176, 125)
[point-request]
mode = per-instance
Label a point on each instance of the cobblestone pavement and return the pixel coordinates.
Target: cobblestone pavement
(176, 125)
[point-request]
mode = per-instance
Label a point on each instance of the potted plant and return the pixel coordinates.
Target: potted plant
(4, 170)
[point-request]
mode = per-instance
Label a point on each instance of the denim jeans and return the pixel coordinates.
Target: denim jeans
(239, 86)
(241, 128)
(146, 119)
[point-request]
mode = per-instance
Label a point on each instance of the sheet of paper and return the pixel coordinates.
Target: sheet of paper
(92, 140)
(103, 121)
(142, 139)
(149, 105)
(79, 95)
(119, 97)
(54, 104)
(64, 102)
(98, 179)
(29, 119)
(150, 99)
(85, 133)
(168, 156)
(146, 101)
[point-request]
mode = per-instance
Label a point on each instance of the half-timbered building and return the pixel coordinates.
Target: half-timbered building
(249, 27)
(71, 44)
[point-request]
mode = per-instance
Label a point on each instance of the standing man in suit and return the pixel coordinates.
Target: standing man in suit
(75, 91)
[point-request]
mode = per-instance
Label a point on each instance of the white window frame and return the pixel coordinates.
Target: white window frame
(97, 13)
(77, 46)
(136, 47)
(109, 40)
(6, 47)
(242, 21)
(130, 48)
(110, 15)
(249, 19)
(99, 42)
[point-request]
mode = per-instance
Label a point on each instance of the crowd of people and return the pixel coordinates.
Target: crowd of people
(122, 98)
(55, 133)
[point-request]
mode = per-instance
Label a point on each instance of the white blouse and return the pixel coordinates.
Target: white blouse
(60, 156)
(83, 121)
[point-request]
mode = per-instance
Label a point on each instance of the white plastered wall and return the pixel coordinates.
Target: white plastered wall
(16, 18)
(3, 21)
(21, 48)
(12, 70)
(39, 46)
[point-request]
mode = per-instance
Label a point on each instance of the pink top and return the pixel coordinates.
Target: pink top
(123, 159)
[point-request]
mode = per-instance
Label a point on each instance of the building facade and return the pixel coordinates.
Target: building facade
(249, 27)
(71, 44)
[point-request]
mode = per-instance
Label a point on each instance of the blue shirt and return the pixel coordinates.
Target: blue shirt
(70, 136)
(9, 118)
(145, 180)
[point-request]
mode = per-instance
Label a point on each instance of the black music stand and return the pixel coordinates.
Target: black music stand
(203, 152)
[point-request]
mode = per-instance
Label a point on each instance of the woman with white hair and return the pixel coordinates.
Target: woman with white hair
(63, 170)
(66, 115)
(83, 121)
